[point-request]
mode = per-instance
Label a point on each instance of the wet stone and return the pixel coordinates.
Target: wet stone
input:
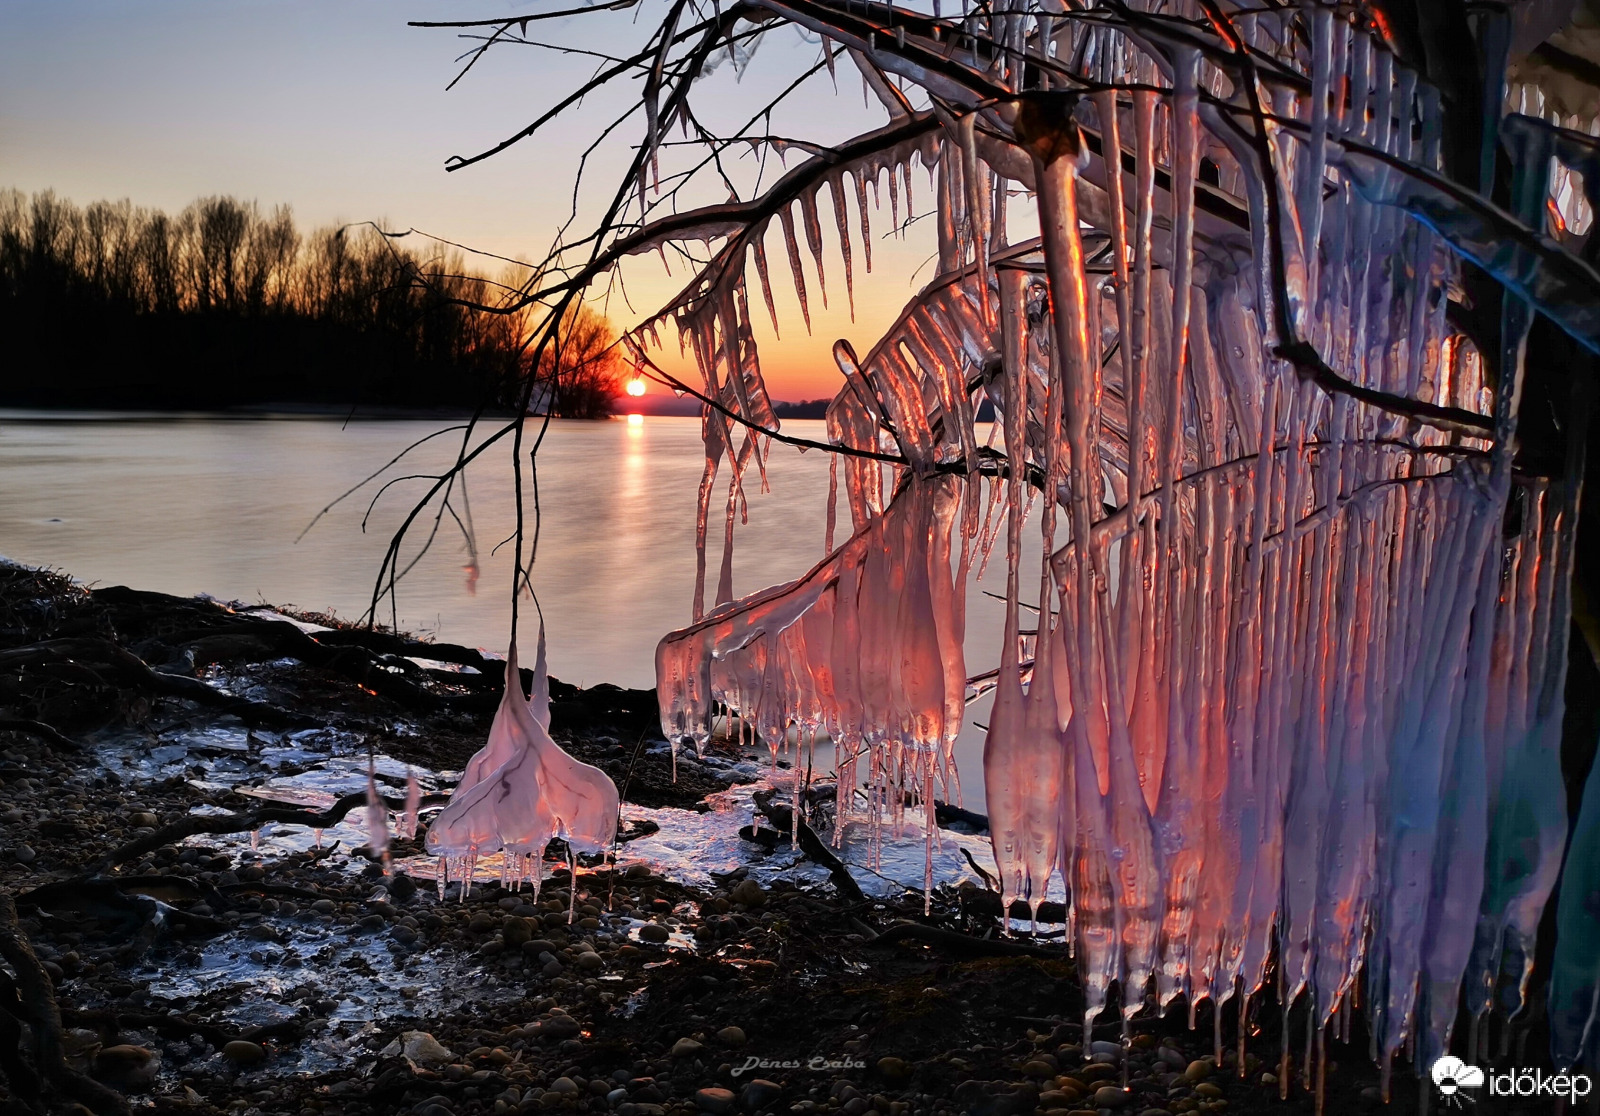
(127, 1064)
(715, 1100)
(244, 1053)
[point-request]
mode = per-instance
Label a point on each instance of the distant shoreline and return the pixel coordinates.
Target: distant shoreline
(320, 411)
(311, 411)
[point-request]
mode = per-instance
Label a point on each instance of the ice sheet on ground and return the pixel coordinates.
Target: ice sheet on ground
(348, 976)
(694, 849)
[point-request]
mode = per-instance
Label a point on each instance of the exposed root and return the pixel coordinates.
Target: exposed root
(813, 846)
(196, 824)
(47, 733)
(962, 945)
(35, 1008)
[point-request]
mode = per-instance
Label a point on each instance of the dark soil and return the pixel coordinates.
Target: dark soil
(787, 1003)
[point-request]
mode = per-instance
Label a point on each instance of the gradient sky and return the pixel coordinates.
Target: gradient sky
(339, 109)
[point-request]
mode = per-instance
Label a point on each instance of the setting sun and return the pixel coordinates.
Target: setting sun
(636, 386)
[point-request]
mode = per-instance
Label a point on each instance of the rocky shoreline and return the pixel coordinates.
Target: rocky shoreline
(165, 956)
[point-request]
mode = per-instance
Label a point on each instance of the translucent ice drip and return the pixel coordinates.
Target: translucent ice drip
(535, 794)
(1292, 672)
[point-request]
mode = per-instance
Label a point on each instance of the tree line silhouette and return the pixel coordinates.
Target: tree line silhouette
(223, 305)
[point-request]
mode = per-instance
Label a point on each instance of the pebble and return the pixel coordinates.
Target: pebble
(749, 893)
(143, 820)
(24, 854)
(1208, 1090)
(1109, 1096)
(1198, 1070)
(516, 931)
(653, 932)
(715, 1100)
(760, 1093)
(422, 1048)
(895, 1069)
(686, 1048)
(131, 1065)
(563, 1087)
(590, 961)
(244, 1053)
(731, 1036)
(559, 1027)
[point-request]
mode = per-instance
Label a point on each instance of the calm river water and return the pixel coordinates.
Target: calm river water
(217, 505)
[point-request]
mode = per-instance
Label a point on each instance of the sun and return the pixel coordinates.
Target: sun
(636, 386)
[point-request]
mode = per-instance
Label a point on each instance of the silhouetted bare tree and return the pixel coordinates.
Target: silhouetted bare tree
(580, 375)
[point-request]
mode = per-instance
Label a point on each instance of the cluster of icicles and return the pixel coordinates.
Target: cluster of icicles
(1296, 686)
(520, 792)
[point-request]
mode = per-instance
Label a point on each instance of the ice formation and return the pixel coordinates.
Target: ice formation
(1297, 680)
(521, 791)
(1297, 683)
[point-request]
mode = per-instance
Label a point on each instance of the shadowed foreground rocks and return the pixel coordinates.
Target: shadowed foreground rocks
(206, 975)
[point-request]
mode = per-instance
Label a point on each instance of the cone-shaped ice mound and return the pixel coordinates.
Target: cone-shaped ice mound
(521, 790)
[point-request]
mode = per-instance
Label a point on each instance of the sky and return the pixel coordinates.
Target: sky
(340, 110)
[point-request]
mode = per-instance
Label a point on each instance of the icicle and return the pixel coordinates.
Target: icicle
(813, 229)
(408, 822)
(377, 816)
(786, 219)
(759, 247)
(841, 217)
(976, 184)
(862, 215)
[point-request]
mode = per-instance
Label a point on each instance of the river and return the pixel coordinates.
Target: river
(220, 506)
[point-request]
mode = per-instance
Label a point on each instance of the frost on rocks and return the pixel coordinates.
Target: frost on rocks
(521, 791)
(1297, 681)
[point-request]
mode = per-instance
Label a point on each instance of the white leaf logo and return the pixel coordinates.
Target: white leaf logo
(1451, 1075)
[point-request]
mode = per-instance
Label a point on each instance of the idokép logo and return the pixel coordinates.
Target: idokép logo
(1451, 1075)
(1457, 1082)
